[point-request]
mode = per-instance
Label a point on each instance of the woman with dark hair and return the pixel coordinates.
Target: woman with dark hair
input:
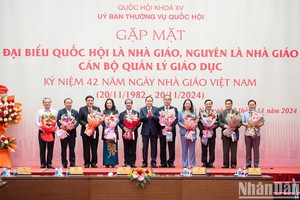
(188, 146)
(110, 146)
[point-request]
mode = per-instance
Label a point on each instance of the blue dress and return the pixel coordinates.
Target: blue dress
(110, 148)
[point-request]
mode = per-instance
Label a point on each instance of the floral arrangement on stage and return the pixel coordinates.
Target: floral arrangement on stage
(111, 122)
(8, 143)
(254, 120)
(166, 119)
(233, 120)
(67, 121)
(141, 176)
(208, 120)
(131, 122)
(95, 118)
(191, 123)
(48, 127)
(10, 111)
(10, 114)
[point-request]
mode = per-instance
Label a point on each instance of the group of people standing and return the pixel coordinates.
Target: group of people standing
(151, 132)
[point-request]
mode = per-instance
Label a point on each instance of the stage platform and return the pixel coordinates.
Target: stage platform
(278, 173)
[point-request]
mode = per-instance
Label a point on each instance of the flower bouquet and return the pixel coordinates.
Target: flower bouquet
(130, 122)
(111, 122)
(254, 119)
(95, 118)
(233, 120)
(141, 176)
(191, 122)
(166, 119)
(48, 127)
(9, 111)
(8, 143)
(208, 120)
(67, 121)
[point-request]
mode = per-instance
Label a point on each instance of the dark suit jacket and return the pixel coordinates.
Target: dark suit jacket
(75, 114)
(121, 119)
(175, 122)
(222, 122)
(83, 113)
(149, 123)
(201, 127)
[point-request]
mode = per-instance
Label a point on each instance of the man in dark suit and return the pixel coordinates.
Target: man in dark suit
(211, 142)
(129, 145)
(150, 130)
(228, 143)
(162, 138)
(90, 143)
(71, 138)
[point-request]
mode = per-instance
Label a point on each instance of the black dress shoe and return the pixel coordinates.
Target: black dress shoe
(255, 166)
(225, 166)
(73, 165)
(163, 166)
(204, 165)
(94, 166)
(65, 166)
(133, 166)
(171, 166)
(43, 166)
(248, 166)
(144, 166)
(86, 166)
(233, 166)
(50, 166)
(210, 165)
(107, 166)
(153, 166)
(112, 166)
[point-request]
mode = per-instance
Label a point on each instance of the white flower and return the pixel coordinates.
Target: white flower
(16, 109)
(1, 104)
(9, 119)
(1, 119)
(6, 142)
(10, 110)
(5, 104)
(5, 112)
(5, 99)
(5, 119)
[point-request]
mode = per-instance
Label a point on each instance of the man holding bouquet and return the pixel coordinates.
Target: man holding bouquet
(150, 130)
(129, 123)
(67, 121)
(252, 120)
(172, 113)
(90, 141)
(230, 122)
(207, 125)
(46, 122)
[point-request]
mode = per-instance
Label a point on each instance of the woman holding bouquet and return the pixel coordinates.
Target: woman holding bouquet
(110, 135)
(252, 120)
(188, 145)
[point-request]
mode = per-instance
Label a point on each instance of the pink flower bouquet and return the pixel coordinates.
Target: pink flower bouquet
(254, 120)
(233, 120)
(67, 121)
(166, 119)
(111, 122)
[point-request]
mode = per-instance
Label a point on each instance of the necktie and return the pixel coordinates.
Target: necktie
(90, 110)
